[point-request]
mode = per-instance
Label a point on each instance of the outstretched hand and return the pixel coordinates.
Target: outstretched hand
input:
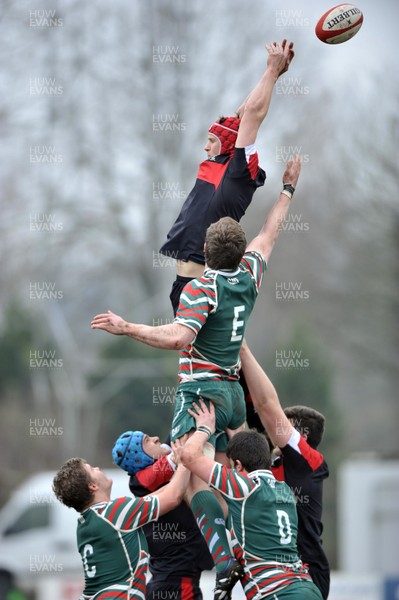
(280, 56)
(292, 171)
(203, 415)
(110, 322)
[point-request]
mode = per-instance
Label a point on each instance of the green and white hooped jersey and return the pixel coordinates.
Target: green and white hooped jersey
(114, 549)
(264, 523)
(217, 307)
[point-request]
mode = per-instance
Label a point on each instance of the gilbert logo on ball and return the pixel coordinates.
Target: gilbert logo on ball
(339, 24)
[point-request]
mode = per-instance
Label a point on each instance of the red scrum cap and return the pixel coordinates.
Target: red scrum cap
(226, 129)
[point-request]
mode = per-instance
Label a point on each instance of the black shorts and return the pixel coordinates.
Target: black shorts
(177, 288)
(178, 588)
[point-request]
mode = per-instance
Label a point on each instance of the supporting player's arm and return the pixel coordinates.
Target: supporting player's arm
(254, 109)
(172, 336)
(265, 399)
(171, 495)
(267, 237)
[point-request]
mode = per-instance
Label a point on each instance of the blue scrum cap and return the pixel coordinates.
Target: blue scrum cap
(128, 452)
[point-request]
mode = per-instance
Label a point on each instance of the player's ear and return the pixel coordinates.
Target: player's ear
(238, 466)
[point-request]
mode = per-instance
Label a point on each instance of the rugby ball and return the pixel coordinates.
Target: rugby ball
(339, 24)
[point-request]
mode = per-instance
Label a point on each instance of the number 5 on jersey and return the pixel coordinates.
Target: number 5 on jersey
(235, 336)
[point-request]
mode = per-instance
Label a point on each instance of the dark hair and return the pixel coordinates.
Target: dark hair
(251, 449)
(307, 421)
(71, 485)
(225, 244)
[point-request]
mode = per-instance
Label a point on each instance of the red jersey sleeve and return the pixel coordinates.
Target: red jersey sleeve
(156, 475)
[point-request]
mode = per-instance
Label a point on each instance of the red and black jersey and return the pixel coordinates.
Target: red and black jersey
(304, 469)
(176, 545)
(224, 187)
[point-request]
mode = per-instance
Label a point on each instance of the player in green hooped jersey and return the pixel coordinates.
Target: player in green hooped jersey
(109, 535)
(262, 511)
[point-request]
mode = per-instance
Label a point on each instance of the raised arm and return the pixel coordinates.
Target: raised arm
(265, 399)
(172, 336)
(254, 109)
(267, 237)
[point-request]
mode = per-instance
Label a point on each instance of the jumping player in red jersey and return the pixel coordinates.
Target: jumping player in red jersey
(296, 431)
(109, 533)
(227, 180)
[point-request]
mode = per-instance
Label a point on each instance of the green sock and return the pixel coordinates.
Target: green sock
(210, 520)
